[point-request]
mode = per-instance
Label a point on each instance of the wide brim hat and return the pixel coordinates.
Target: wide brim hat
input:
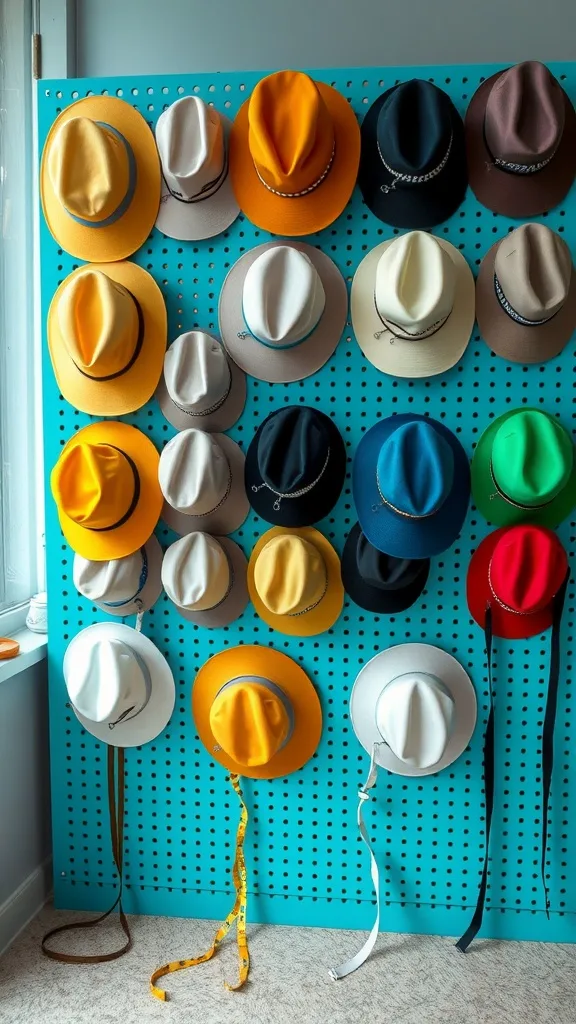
(154, 717)
(514, 341)
(221, 419)
(396, 661)
(517, 195)
(151, 590)
(232, 510)
(420, 357)
(235, 602)
(376, 599)
(285, 673)
(283, 365)
(132, 389)
(130, 231)
(494, 506)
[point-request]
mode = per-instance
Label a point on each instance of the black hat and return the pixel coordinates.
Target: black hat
(378, 582)
(295, 467)
(413, 165)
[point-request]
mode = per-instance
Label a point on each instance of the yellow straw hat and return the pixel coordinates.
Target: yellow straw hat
(294, 581)
(256, 712)
(105, 485)
(100, 179)
(107, 335)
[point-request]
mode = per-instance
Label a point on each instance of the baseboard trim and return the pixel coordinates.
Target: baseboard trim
(19, 909)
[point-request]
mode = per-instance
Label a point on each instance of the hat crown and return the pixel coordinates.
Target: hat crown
(196, 572)
(534, 268)
(293, 447)
(89, 169)
(250, 719)
(194, 473)
(415, 469)
(190, 140)
(524, 117)
(527, 568)
(99, 323)
(107, 682)
(115, 581)
(291, 134)
(283, 297)
(290, 575)
(94, 485)
(532, 457)
(196, 372)
(415, 717)
(415, 283)
(414, 127)
(385, 572)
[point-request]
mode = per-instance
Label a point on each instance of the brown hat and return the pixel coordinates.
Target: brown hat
(521, 141)
(526, 295)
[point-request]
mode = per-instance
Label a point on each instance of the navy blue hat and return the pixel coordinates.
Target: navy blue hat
(378, 582)
(295, 467)
(413, 171)
(411, 486)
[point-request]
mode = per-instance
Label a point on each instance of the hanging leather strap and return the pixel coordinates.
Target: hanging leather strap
(117, 835)
(238, 914)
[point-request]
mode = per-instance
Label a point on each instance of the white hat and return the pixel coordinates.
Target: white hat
(205, 577)
(412, 305)
(202, 479)
(197, 197)
(418, 704)
(201, 387)
(122, 586)
(282, 310)
(119, 684)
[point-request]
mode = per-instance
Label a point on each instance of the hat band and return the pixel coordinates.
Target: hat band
(311, 607)
(413, 179)
(507, 607)
(272, 344)
(402, 335)
(305, 191)
(294, 494)
(206, 192)
(513, 313)
(141, 584)
(200, 515)
(273, 688)
(135, 497)
(399, 511)
(134, 356)
(506, 497)
(213, 408)
(134, 711)
(131, 187)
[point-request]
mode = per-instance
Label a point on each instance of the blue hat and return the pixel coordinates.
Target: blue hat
(411, 486)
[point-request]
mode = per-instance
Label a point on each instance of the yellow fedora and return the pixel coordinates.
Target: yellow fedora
(107, 333)
(100, 179)
(294, 581)
(105, 485)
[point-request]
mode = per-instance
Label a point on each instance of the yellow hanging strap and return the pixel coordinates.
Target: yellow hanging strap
(238, 914)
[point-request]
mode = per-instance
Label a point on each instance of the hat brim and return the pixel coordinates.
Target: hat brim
(138, 528)
(204, 218)
(411, 206)
(249, 660)
(326, 613)
(150, 591)
(282, 366)
(517, 195)
(214, 422)
(132, 389)
(154, 718)
(320, 207)
(130, 231)
(233, 510)
(309, 508)
(396, 661)
(391, 532)
(513, 341)
(494, 507)
(232, 607)
(417, 358)
(374, 599)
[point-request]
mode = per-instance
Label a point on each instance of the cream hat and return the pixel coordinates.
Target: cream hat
(201, 387)
(412, 305)
(205, 577)
(122, 586)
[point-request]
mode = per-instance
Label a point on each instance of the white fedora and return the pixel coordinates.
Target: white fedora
(205, 577)
(122, 586)
(197, 197)
(119, 684)
(412, 305)
(202, 479)
(200, 387)
(282, 310)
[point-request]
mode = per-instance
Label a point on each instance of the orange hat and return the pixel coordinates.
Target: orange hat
(294, 154)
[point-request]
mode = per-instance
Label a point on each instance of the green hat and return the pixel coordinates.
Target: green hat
(523, 470)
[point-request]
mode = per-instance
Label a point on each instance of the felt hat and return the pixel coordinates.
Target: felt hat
(411, 486)
(295, 466)
(205, 577)
(105, 485)
(412, 305)
(418, 705)
(294, 581)
(200, 387)
(120, 686)
(122, 586)
(413, 157)
(100, 179)
(521, 141)
(377, 582)
(107, 337)
(523, 468)
(197, 197)
(526, 295)
(282, 311)
(294, 152)
(256, 712)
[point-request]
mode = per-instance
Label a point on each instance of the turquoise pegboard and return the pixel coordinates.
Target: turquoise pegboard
(306, 862)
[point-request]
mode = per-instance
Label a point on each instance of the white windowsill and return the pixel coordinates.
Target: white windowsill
(32, 650)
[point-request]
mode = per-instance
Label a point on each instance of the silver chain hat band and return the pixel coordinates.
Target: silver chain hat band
(413, 179)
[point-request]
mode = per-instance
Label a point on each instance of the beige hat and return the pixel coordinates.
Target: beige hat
(200, 387)
(122, 586)
(205, 577)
